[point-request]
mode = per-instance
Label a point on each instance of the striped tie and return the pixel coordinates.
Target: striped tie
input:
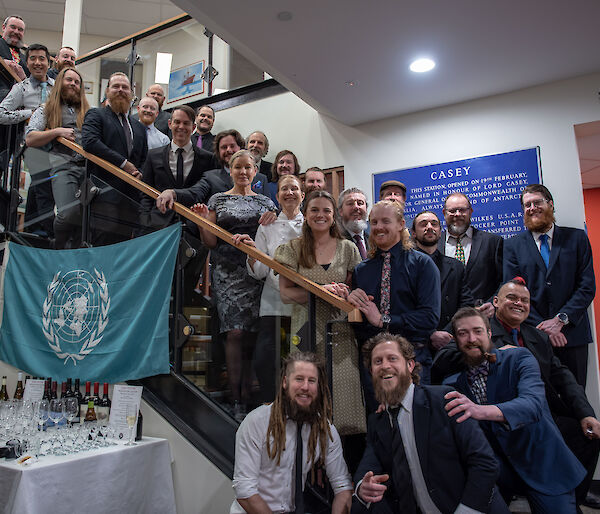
(460, 251)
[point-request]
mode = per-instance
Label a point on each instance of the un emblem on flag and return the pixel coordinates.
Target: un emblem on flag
(75, 313)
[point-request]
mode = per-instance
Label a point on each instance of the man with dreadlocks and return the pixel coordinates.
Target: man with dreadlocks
(277, 444)
(503, 390)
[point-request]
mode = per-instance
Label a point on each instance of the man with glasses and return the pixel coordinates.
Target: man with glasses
(556, 263)
(479, 251)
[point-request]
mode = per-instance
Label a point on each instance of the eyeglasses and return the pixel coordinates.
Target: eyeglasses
(535, 203)
(458, 210)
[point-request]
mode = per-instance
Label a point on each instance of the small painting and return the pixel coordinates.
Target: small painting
(186, 82)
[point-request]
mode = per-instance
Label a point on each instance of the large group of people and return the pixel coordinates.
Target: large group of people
(470, 361)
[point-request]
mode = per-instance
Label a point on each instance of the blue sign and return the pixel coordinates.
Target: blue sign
(493, 184)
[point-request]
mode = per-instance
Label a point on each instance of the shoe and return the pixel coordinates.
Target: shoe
(592, 500)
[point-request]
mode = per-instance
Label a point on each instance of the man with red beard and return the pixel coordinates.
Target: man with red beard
(111, 133)
(277, 444)
(418, 458)
(556, 263)
(62, 116)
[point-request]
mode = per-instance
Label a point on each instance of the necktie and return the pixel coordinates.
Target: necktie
(127, 133)
(179, 167)
(406, 497)
(298, 493)
(386, 273)
(199, 142)
(515, 336)
(545, 249)
(460, 252)
(44, 90)
(361, 246)
(15, 54)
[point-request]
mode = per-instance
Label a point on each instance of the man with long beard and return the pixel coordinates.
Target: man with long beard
(503, 390)
(417, 457)
(112, 134)
(556, 263)
(277, 444)
(479, 251)
(62, 116)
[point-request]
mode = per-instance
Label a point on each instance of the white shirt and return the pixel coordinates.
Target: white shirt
(155, 137)
(268, 238)
(466, 239)
(536, 237)
(188, 159)
(255, 473)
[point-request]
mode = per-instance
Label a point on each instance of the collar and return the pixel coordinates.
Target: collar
(395, 250)
(187, 148)
(468, 233)
(283, 217)
(550, 232)
(506, 327)
(35, 82)
(407, 401)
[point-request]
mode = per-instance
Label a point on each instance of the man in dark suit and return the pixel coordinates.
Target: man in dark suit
(202, 136)
(568, 404)
(352, 210)
(556, 263)
(426, 231)
(416, 456)
(213, 181)
(177, 165)
(479, 251)
(258, 144)
(503, 390)
(112, 134)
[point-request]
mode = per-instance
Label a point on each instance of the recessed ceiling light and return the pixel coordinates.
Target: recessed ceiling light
(284, 16)
(422, 65)
(351, 83)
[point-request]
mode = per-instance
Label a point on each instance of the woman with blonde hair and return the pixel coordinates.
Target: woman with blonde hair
(397, 289)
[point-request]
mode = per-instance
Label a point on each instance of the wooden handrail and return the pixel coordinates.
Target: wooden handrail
(354, 314)
(10, 71)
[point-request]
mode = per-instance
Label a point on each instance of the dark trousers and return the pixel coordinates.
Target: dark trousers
(266, 358)
(576, 359)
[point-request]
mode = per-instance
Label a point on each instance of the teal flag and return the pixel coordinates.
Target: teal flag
(99, 314)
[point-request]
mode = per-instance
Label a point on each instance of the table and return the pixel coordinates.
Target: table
(117, 479)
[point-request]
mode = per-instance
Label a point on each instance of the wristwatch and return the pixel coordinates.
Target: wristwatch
(563, 318)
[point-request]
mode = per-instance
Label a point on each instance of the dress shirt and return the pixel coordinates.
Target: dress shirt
(188, 159)
(465, 239)
(268, 238)
(536, 237)
(24, 98)
(155, 137)
(255, 473)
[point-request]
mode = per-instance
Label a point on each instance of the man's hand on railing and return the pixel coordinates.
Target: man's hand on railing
(338, 288)
(16, 67)
(365, 304)
(200, 209)
(67, 133)
(166, 200)
(132, 170)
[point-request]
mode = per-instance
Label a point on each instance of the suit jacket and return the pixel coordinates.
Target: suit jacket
(208, 141)
(6, 80)
(161, 122)
(158, 174)
(350, 237)
(265, 169)
(457, 462)
(564, 395)
(215, 181)
(102, 135)
(484, 267)
(568, 285)
(529, 439)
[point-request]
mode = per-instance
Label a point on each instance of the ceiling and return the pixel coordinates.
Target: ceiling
(481, 47)
(108, 18)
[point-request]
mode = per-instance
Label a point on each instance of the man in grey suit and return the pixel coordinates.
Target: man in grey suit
(479, 251)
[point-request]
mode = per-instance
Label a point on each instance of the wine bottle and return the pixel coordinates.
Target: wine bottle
(77, 391)
(19, 390)
(3, 391)
(69, 393)
(103, 408)
(84, 401)
(53, 394)
(90, 413)
(140, 423)
(63, 390)
(96, 396)
(46, 391)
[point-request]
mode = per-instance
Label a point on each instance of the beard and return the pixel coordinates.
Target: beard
(458, 229)
(356, 226)
(393, 396)
(119, 103)
(69, 96)
(541, 224)
(298, 413)
(425, 242)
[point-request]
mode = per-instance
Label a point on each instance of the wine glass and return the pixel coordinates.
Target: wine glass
(57, 411)
(42, 413)
(131, 412)
(72, 410)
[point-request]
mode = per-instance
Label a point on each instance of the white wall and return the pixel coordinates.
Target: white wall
(53, 40)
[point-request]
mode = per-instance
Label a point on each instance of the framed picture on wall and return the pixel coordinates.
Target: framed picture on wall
(186, 82)
(88, 87)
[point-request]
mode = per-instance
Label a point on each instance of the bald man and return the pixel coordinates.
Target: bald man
(162, 120)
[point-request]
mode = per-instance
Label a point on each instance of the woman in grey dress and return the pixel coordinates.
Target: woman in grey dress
(236, 293)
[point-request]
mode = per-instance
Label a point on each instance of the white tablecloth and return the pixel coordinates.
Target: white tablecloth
(117, 479)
